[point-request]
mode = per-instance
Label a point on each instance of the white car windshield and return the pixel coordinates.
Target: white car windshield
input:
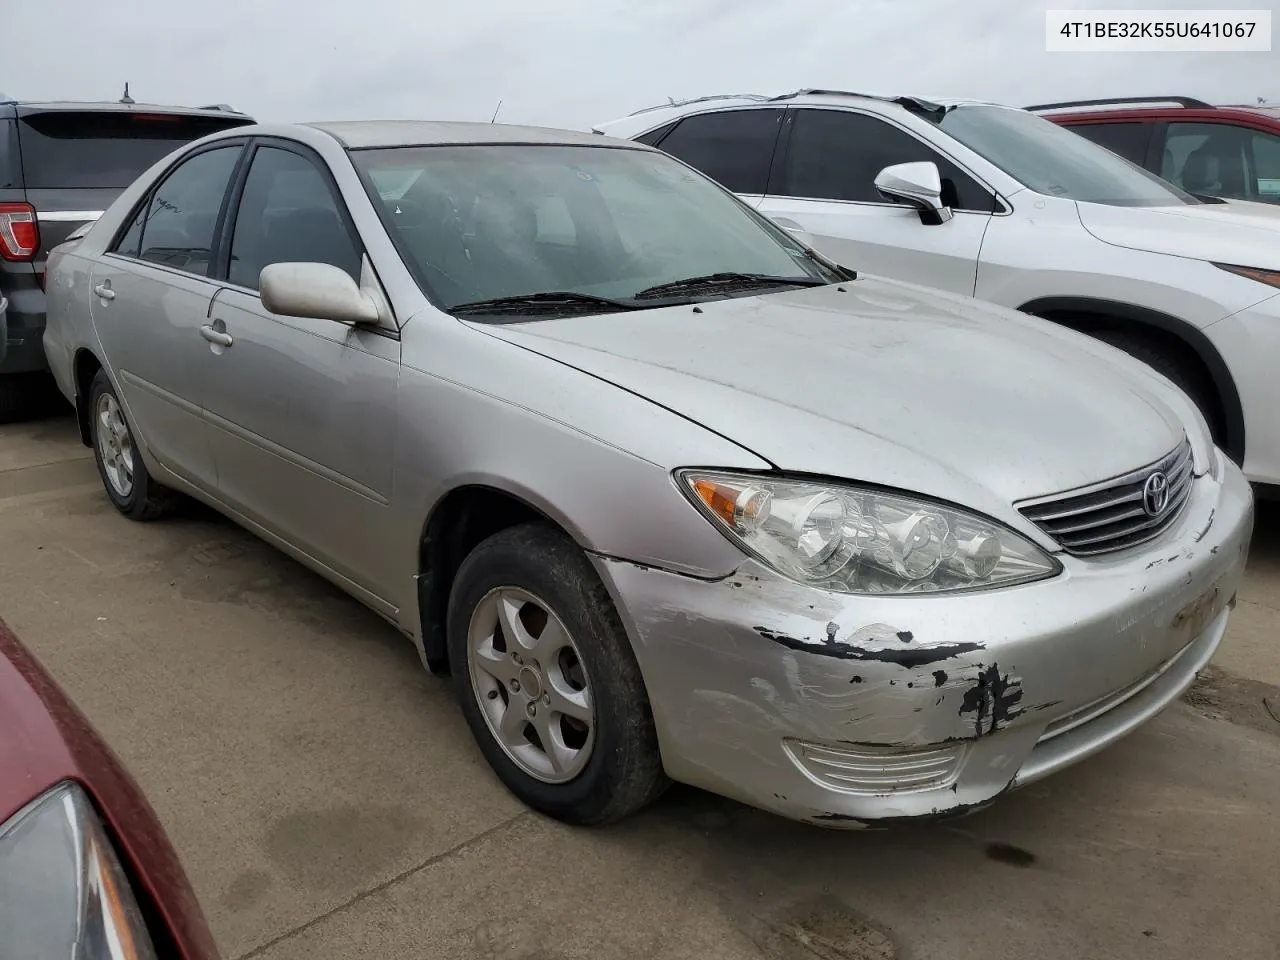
(570, 224)
(1052, 160)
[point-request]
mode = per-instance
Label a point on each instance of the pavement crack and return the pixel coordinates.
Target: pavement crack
(385, 884)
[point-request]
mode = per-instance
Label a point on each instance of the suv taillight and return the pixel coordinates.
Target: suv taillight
(19, 232)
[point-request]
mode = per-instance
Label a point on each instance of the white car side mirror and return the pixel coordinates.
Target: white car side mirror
(918, 185)
(318, 290)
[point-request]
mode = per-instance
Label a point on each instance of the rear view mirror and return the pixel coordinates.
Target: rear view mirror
(918, 185)
(317, 290)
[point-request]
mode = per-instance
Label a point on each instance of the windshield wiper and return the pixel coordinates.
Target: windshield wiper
(714, 282)
(551, 301)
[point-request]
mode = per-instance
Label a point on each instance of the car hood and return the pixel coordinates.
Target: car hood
(885, 382)
(1246, 234)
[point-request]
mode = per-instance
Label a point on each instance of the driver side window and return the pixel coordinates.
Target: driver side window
(836, 155)
(288, 214)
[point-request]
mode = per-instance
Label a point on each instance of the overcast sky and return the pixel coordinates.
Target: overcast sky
(576, 62)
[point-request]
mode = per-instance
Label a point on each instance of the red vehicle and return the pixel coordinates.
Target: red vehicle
(1232, 152)
(86, 871)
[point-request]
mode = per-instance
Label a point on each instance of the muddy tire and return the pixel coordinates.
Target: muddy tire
(547, 679)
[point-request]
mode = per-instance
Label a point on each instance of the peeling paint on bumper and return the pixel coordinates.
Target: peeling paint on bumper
(806, 702)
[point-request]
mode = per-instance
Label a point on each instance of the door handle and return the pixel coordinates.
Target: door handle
(104, 291)
(216, 336)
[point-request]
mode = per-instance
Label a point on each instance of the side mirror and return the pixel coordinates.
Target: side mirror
(918, 185)
(318, 290)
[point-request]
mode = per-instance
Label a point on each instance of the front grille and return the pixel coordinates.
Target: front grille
(1118, 513)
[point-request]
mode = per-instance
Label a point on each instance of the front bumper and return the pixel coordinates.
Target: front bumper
(845, 710)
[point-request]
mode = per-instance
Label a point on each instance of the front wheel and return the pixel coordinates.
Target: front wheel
(547, 679)
(129, 485)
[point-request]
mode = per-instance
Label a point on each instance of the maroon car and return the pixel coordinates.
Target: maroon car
(1232, 152)
(86, 871)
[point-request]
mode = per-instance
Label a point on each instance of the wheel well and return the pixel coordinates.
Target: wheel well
(458, 523)
(1185, 344)
(85, 368)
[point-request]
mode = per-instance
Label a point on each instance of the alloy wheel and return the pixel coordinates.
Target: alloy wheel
(115, 445)
(531, 685)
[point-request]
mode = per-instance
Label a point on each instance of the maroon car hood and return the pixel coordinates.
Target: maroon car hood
(45, 740)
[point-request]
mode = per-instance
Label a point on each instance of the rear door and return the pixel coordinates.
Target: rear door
(152, 293)
(76, 162)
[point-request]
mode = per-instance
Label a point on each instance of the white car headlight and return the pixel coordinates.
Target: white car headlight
(62, 890)
(855, 540)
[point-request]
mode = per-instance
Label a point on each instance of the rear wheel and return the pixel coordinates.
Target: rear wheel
(547, 679)
(129, 486)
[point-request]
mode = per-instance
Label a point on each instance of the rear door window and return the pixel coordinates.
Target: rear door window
(71, 149)
(1129, 140)
(734, 147)
(10, 171)
(182, 216)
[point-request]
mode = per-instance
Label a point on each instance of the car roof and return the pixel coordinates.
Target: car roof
(648, 117)
(364, 134)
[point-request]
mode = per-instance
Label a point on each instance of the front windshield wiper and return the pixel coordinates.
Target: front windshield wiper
(551, 301)
(714, 282)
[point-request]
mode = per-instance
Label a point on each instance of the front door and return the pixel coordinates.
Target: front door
(824, 191)
(151, 295)
(302, 412)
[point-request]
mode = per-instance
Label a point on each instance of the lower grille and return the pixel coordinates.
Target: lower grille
(1119, 513)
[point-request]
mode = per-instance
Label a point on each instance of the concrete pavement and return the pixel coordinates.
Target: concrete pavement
(328, 801)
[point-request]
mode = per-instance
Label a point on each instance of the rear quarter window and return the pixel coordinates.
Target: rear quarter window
(10, 170)
(108, 150)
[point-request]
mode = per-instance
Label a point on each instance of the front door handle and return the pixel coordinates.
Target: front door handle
(216, 336)
(104, 291)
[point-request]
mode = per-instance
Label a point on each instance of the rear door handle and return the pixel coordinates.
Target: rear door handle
(104, 291)
(216, 336)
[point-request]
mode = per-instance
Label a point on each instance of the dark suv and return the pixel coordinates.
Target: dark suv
(61, 164)
(1229, 152)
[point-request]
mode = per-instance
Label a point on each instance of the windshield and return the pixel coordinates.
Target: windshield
(1056, 162)
(482, 222)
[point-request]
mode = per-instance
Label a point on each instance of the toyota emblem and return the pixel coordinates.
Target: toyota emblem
(1155, 494)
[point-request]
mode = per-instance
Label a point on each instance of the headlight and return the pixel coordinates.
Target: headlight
(62, 891)
(854, 540)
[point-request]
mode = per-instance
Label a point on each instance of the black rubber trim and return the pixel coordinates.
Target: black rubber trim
(1223, 382)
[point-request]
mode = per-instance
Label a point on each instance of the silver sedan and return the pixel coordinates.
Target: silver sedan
(671, 495)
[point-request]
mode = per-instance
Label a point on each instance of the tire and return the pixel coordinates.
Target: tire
(117, 457)
(1188, 377)
(610, 766)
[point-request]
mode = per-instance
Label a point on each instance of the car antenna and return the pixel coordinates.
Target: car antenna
(126, 98)
(494, 118)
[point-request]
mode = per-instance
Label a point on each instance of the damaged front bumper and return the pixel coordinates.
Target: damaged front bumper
(847, 710)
